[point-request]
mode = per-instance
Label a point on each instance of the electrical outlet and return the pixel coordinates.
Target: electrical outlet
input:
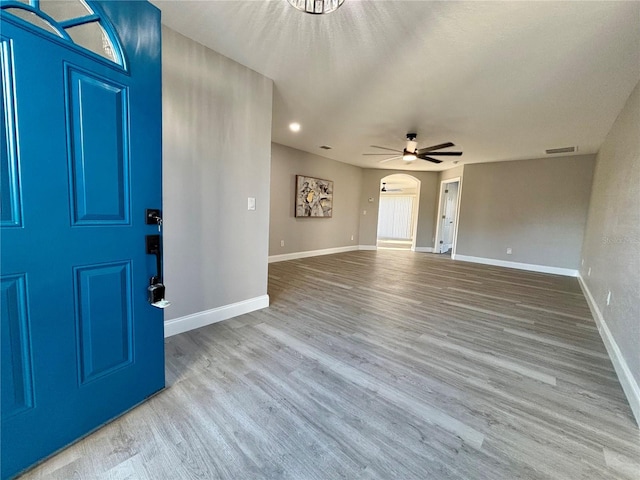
(352, 238)
(509, 251)
(364, 212)
(609, 297)
(589, 272)
(282, 243)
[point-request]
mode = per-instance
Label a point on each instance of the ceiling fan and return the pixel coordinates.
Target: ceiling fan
(411, 151)
(385, 189)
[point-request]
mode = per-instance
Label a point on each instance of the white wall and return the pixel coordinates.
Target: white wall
(217, 149)
(611, 249)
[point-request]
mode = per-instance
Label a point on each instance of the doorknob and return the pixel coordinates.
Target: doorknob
(153, 216)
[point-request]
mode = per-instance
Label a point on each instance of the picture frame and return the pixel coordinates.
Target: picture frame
(314, 197)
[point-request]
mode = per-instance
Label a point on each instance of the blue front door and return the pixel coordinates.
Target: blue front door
(81, 161)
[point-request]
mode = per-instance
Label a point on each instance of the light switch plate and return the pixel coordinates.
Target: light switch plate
(251, 203)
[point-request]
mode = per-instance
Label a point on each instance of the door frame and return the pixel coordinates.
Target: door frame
(456, 221)
(416, 205)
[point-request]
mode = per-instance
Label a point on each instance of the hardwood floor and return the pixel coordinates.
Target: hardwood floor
(381, 365)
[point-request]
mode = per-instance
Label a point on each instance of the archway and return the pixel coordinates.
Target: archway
(398, 212)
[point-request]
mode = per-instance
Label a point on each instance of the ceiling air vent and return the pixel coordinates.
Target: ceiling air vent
(325, 147)
(553, 151)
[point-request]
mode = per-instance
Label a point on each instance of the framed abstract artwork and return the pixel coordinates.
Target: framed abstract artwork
(314, 197)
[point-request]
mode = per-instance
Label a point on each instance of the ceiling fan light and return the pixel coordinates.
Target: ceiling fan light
(317, 7)
(408, 156)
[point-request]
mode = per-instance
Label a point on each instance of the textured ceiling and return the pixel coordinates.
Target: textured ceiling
(501, 80)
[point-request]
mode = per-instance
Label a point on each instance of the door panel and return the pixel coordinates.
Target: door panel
(17, 388)
(80, 343)
(97, 119)
(10, 205)
(104, 319)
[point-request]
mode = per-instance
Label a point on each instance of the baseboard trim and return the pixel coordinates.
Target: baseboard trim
(314, 253)
(567, 272)
(627, 380)
(423, 249)
(311, 253)
(215, 315)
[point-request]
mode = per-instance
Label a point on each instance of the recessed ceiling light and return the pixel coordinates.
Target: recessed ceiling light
(294, 127)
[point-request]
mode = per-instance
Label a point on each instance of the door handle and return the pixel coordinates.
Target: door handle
(153, 248)
(156, 288)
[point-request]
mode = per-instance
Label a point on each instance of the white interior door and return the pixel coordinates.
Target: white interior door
(448, 216)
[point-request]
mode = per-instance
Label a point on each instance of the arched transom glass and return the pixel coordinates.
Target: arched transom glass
(76, 21)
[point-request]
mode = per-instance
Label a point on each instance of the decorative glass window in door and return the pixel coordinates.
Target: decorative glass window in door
(80, 22)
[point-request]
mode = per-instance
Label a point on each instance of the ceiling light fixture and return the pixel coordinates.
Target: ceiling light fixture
(317, 7)
(294, 127)
(409, 152)
(408, 156)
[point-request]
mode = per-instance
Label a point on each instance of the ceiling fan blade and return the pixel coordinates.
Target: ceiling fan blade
(429, 159)
(376, 154)
(448, 154)
(385, 148)
(392, 158)
(435, 147)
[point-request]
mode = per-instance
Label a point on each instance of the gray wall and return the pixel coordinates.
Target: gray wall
(217, 143)
(305, 234)
(536, 207)
(612, 238)
(451, 173)
(426, 211)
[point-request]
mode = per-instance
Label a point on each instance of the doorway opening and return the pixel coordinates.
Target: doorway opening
(447, 220)
(398, 212)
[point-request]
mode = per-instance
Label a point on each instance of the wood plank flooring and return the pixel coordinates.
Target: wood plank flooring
(381, 365)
